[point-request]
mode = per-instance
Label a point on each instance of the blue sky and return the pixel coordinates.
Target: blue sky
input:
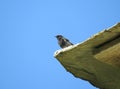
(27, 39)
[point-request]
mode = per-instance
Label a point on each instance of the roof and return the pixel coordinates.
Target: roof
(105, 46)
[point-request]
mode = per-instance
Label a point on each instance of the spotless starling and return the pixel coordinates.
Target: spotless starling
(63, 42)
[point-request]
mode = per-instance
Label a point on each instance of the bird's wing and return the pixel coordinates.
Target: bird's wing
(66, 39)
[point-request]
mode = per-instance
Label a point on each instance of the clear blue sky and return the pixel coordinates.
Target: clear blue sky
(27, 42)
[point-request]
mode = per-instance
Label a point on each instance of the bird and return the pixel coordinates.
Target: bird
(62, 41)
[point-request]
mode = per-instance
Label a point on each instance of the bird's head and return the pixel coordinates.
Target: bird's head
(58, 36)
